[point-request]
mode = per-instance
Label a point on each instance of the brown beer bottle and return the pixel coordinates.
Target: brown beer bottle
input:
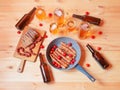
(98, 57)
(44, 69)
(90, 19)
(25, 20)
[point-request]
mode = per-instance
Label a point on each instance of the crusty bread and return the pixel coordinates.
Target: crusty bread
(29, 37)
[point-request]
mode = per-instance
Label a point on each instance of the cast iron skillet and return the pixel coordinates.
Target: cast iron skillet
(78, 56)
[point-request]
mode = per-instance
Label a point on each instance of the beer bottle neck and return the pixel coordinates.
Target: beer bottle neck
(78, 16)
(41, 57)
(90, 48)
(32, 11)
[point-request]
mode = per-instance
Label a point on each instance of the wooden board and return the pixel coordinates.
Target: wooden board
(35, 50)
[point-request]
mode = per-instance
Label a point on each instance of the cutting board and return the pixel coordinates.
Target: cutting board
(35, 50)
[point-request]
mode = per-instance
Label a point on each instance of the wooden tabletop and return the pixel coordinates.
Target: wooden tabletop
(109, 79)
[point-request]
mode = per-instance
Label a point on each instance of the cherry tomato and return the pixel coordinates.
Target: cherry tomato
(52, 49)
(18, 32)
(100, 32)
(41, 24)
(88, 65)
(70, 55)
(50, 15)
(93, 37)
(72, 61)
(87, 13)
(55, 46)
(41, 46)
(64, 54)
(59, 57)
(53, 63)
(51, 52)
(99, 48)
(69, 44)
(58, 66)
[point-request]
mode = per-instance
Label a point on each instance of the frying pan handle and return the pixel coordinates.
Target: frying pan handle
(78, 67)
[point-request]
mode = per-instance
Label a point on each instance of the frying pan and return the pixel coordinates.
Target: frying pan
(77, 58)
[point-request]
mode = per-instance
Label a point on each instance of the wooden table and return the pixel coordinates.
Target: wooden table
(109, 10)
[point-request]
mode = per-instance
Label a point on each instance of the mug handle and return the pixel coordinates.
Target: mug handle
(78, 67)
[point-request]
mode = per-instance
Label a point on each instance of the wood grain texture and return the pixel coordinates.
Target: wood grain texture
(109, 10)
